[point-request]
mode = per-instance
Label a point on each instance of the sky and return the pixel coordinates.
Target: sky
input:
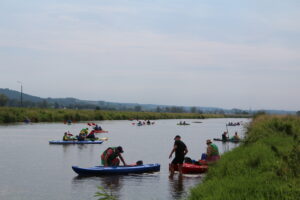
(227, 54)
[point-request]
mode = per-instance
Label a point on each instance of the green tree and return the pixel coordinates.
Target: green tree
(97, 108)
(56, 105)
(193, 109)
(298, 113)
(158, 109)
(138, 108)
(3, 100)
(43, 104)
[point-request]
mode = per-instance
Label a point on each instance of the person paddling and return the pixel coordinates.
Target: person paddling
(110, 156)
(180, 150)
(224, 136)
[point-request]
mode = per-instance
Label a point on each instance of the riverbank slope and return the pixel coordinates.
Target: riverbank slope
(12, 114)
(266, 166)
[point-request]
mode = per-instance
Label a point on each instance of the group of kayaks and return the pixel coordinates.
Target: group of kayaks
(188, 168)
(75, 140)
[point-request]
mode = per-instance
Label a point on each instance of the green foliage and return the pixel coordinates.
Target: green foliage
(3, 99)
(14, 114)
(104, 195)
(266, 166)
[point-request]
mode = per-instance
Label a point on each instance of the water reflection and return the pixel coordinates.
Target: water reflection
(225, 146)
(176, 187)
(111, 184)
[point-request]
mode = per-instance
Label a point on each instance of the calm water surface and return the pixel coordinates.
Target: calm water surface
(33, 169)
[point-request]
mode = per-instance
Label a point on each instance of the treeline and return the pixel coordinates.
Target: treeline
(71, 103)
(10, 114)
(266, 166)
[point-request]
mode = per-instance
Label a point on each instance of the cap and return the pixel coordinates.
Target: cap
(120, 149)
(177, 136)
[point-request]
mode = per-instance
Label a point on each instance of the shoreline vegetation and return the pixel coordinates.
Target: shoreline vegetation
(265, 166)
(13, 115)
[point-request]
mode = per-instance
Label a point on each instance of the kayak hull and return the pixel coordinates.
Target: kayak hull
(75, 142)
(101, 170)
(188, 168)
(98, 131)
(229, 140)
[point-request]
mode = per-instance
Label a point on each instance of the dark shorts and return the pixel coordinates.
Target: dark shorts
(178, 160)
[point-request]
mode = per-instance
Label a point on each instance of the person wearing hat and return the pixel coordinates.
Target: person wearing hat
(180, 150)
(110, 156)
(212, 152)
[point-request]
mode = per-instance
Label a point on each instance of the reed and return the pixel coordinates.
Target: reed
(13, 114)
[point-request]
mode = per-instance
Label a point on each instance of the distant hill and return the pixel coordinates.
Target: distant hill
(34, 101)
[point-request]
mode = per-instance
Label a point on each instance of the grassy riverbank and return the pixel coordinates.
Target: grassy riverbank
(267, 166)
(10, 115)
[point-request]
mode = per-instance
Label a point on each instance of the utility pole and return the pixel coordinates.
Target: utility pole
(21, 93)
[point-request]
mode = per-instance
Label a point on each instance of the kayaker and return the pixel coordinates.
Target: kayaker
(224, 136)
(66, 137)
(236, 136)
(212, 152)
(91, 135)
(98, 128)
(82, 135)
(180, 150)
(110, 156)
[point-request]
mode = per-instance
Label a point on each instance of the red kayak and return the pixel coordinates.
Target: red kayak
(188, 168)
(100, 131)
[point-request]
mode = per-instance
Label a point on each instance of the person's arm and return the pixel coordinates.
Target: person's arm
(122, 159)
(208, 151)
(173, 150)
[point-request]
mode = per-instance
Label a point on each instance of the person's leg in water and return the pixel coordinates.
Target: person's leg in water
(172, 169)
(180, 169)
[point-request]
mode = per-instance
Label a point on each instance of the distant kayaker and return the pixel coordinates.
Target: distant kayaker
(66, 137)
(110, 156)
(98, 128)
(224, 136)
(180, 150)
(236, 136)
(212, 152)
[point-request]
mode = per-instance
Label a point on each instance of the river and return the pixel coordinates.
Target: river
(33, 169)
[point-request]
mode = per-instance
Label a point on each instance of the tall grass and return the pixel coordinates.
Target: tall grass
(10, 114)
(266, 166)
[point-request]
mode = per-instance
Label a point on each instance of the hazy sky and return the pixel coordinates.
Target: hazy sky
(230, 54)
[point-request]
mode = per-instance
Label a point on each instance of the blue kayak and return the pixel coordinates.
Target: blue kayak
(101, 170)
(75, 142)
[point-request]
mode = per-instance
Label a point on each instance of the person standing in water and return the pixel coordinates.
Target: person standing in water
(180, 150)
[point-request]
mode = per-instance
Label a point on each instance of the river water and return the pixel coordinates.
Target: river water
(32, 169)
